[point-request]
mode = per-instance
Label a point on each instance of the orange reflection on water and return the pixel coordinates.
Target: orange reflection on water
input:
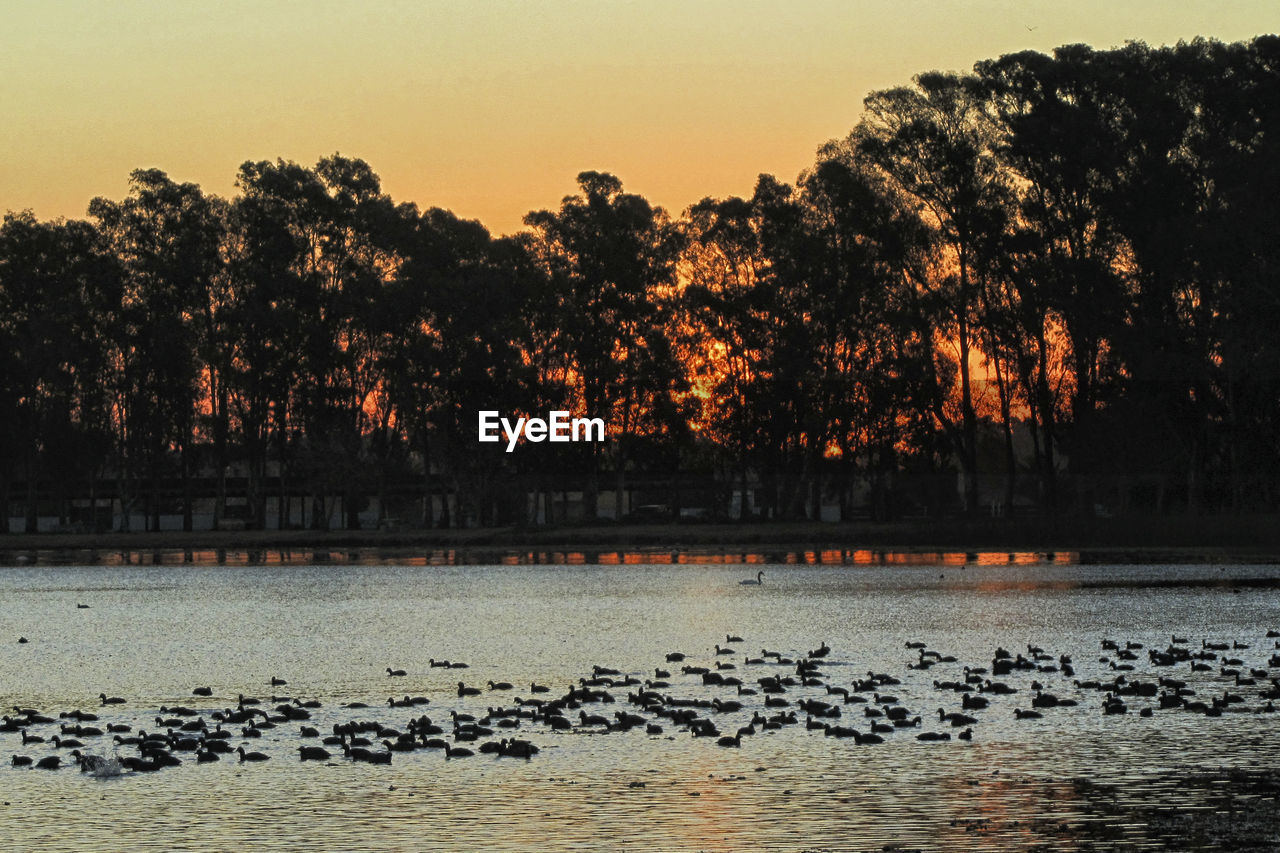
(507, 557)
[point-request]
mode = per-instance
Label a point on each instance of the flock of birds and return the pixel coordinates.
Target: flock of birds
(725, 697)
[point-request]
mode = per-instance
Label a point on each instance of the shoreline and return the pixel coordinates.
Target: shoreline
(1217, 538)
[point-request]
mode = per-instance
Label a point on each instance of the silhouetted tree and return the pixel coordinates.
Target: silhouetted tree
(610, 257)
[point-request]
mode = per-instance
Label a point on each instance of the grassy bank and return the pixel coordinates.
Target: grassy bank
(1242, 537)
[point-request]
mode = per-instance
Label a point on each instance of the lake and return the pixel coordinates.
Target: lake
(154, 628)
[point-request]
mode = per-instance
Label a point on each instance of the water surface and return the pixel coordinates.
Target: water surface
(152, 632)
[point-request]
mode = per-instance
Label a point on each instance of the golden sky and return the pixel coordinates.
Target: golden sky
(491, 108)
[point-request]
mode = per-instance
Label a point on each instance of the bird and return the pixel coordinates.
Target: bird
(251, 756)
(278, 682)
(757, 582)
(395, 673)
(110, 700)
(463, 690)
(202, 691)
(312, 753)
(98, 765)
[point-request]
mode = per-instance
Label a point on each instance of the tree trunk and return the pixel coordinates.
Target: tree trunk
(969, 440)
(32, 524)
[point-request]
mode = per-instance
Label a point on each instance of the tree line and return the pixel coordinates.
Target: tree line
(1079, 251)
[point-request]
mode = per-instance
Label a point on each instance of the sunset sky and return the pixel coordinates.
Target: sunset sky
(491, 108)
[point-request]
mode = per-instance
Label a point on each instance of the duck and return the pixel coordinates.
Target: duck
(517, 748)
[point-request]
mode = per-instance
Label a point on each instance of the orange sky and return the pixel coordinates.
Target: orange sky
(491, 108)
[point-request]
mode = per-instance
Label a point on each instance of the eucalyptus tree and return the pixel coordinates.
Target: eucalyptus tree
(934, 145)
(611, 258)
(1236, 143)
(273, 233)
(54, 286)
(725, 342)
(462, 350)
(872, 340)
(166, 238)
(317, 249)
(1063, 140)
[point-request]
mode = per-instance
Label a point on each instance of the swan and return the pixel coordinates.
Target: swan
(757, 582)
